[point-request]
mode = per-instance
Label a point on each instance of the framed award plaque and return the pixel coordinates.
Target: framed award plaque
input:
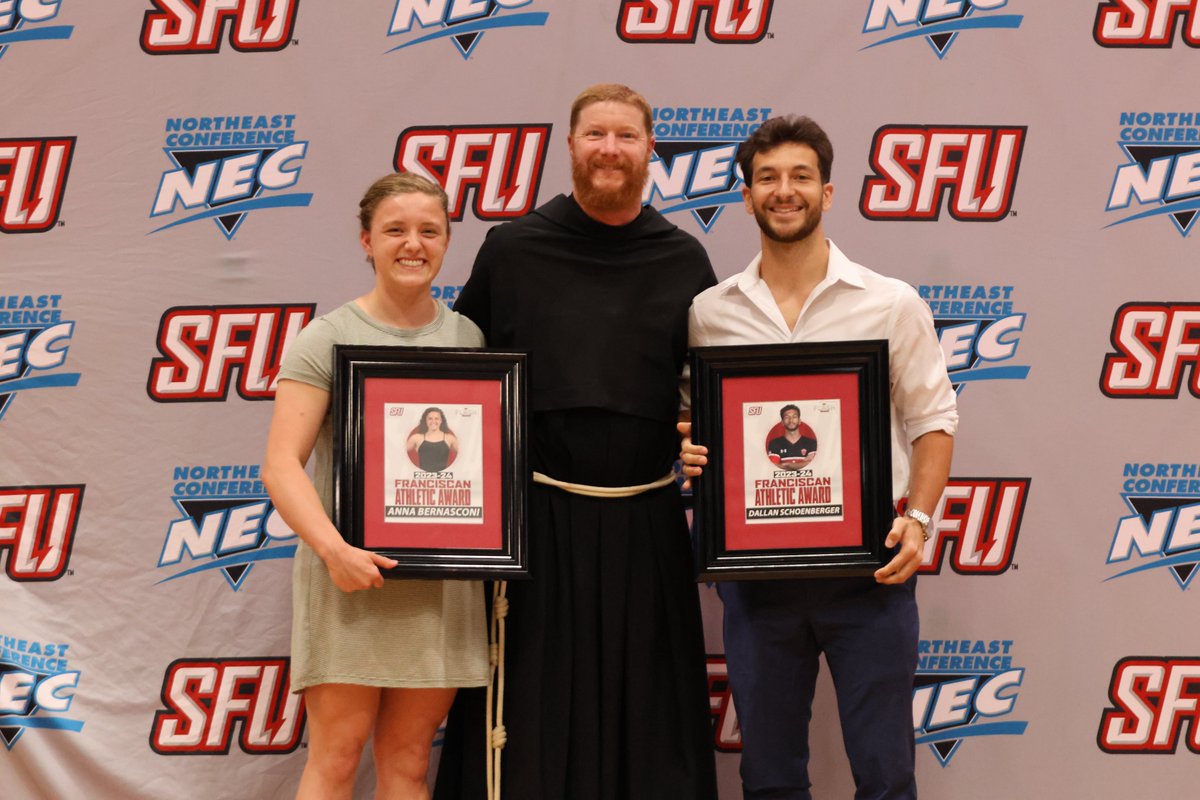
(430, 465)
(798, 480)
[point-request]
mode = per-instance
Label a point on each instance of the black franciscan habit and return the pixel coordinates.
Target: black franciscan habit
(603, 309)
(606, 694)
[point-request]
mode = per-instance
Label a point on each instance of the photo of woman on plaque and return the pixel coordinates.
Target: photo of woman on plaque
(432, 446)
(432, 466)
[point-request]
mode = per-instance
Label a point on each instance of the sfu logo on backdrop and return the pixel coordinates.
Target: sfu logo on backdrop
(202, 346)
(204, 699)
(22, 21)
(679, 21)
(974, 167)
(463, 22)
(1146, 23)
(1154, 700)
(938, 21)
(500, 164)
(1156, 345)
(182, 27)
(976, 521)
(37, 525)
(33, 178)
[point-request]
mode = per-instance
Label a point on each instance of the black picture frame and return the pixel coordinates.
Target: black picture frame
(766, 509)
(465, 522)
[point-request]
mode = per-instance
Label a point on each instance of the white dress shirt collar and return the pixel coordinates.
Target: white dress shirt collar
(839, 269)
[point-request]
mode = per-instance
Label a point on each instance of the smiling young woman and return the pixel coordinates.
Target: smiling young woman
(373, 657)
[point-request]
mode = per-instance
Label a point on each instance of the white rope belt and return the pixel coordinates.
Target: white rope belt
(604, 491)
(496, 735)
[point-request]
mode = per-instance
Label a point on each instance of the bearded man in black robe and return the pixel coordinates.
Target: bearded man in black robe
(606, 691)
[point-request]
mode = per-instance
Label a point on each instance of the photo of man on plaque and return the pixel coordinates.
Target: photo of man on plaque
(800, 477)
(433, 463)
(791, 444)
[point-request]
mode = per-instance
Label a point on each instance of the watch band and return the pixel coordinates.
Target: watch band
(922, 518)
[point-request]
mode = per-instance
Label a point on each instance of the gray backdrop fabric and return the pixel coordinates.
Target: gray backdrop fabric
(178, 189)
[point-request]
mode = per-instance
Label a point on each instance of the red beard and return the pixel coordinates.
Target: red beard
(629, 194)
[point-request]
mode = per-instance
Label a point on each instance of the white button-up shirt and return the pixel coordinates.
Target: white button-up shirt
(851, 303)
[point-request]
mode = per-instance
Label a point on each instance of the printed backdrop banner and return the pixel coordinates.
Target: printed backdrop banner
(178, 197)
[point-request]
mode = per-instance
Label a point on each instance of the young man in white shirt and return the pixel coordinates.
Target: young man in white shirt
(801, 288)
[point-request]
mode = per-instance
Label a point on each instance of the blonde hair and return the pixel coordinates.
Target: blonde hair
(612, 93)
(394, 184)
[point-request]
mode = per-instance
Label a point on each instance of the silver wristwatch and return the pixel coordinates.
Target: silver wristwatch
(922, 518)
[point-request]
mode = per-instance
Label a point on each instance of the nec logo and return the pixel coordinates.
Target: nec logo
(916, 165)
(964, 689)
(501, 163)
(177, 27)
(977, 519)
(729, 21)
(37, 525)
(37, 688)
(923, 12)
(1162, 176)
(1163, 533)
(33, 177)
(1153, 699)
(227, 184)
(15, 12)
(202, 345)
(228, 524)
(1155, 344)
(463, 22)
(939, 22)
(224, 527)
(22, 21)
(205, 698)
(438, 13)
(1146, 23)
(971, 345)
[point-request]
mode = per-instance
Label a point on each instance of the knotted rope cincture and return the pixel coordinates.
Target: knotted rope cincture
(495, 733)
